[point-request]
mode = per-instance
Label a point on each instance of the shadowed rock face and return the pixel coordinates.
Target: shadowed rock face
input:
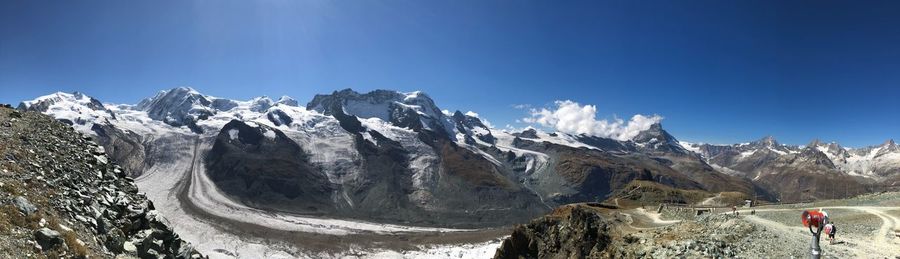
(262, 167)
(568, 232)
(123, 147)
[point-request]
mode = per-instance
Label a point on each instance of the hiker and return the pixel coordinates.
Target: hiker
(830, 229)
(734, 210)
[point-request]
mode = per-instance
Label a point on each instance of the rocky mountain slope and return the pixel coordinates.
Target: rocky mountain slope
(62, 197)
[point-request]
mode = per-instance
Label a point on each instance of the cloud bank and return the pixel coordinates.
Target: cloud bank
(574, 118)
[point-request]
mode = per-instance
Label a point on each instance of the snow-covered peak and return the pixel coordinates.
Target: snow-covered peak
(889, 144)
(655, 138)
(179, 106)
(261, 104)
(287, 100)
(62, 99)
(76, 109)
(471, 127)
(888, 147)
(413, 110)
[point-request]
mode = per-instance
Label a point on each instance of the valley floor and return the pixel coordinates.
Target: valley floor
(221, 228)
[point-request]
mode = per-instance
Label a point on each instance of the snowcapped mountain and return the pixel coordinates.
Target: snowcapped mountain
(874, 162)
(74, 109)
(878, 162)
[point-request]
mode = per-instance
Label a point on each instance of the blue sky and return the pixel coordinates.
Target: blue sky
(717, 71)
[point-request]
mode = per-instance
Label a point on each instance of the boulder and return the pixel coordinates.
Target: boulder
(48, 238)
(24, 205)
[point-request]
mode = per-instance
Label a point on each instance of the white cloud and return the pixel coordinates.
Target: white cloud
(510, 128)
(487, 123)
(472, 114)
(574, 118)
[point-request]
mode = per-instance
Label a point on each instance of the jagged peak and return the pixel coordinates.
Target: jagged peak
(655, 131)
(815, 143)
(528, 133)
(889, 143)
(458, 114)
(768, 141)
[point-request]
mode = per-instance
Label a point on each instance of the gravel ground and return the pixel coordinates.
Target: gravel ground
(776, 230)
(847, 221)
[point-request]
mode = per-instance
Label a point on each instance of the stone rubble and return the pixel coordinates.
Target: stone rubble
(50, 170)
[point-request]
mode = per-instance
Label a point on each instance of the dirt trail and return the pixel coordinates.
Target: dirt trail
(641, 219)
(883, 242)
(885, 237)
(711, 201)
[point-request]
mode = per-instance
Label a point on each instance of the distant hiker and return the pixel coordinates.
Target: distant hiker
(734, 210)
(830, 229)
(753, 212)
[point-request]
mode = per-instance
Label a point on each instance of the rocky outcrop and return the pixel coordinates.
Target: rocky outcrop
(123, 147)
(568, 232)
(591, 231)
(68, 199)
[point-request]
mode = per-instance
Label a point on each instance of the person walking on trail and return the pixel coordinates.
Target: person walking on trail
(734, 210)
(830, 229)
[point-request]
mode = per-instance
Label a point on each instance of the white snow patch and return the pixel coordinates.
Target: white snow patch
(477, 250)
(270, 134)
(233, 134)
(690, 147)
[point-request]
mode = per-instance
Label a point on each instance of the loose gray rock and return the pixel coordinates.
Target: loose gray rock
(48, 238)
(24, 205)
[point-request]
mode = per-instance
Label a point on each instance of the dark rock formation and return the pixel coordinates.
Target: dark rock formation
(568, 232)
